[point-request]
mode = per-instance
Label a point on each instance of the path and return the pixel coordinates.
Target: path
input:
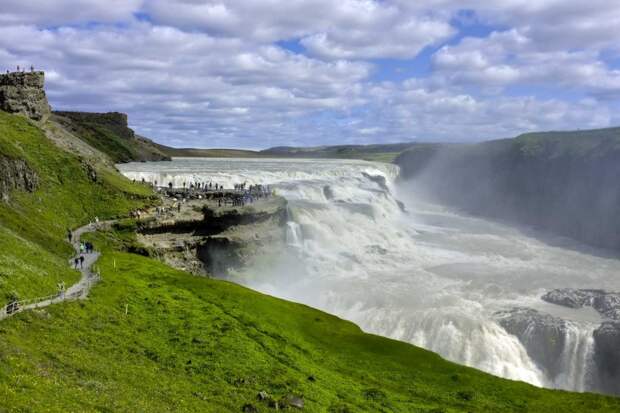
(78, 290)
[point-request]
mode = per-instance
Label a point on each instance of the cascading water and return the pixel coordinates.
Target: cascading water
(431, 277)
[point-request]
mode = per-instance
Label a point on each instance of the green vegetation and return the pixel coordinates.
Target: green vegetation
(109, 133)
(33, 226)
(154, 339)
(376, 153)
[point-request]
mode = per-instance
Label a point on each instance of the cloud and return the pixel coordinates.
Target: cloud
(242, 73)
(351, 29)
(59, 12)
(511, 57)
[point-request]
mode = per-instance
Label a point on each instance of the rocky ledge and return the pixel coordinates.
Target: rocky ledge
(542, 335)
(606, 303)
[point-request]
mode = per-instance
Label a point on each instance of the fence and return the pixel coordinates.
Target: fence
(83, 287)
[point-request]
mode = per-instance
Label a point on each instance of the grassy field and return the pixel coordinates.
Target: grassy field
(154, 339)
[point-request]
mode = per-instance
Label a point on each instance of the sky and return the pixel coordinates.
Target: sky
(261, 73)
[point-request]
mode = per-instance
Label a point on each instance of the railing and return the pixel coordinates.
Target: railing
(15, 307)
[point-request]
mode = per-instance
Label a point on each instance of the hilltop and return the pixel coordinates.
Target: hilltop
(154, 339)
(564, 182)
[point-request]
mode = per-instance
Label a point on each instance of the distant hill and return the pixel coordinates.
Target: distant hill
(565, 182)
(378, 152)
(109, 133)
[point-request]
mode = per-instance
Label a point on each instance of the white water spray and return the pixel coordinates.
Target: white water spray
(430, 277)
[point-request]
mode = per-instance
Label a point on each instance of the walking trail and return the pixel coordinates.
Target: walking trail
(78, 290)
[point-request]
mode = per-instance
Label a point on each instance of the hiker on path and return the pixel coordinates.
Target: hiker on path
(81, 261)
(82, 247)
(76, 261)
(69, 235)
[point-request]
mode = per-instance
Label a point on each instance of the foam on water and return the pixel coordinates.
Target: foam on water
(431, 277)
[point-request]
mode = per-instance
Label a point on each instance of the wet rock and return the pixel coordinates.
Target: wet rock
(378, 179)
(607, 356)
(542, 335)
(606, 303)
(328, 192)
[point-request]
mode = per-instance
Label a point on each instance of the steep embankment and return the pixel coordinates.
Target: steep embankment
(44, 191)
(109, 133)
(565, 182)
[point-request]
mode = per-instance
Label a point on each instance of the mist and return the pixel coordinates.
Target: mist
(429, 275)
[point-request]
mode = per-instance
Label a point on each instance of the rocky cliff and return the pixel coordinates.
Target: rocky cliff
(24, 93)
(16, 174)
(110, 134)
(564, 182)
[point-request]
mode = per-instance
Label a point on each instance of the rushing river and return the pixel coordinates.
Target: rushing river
(426, 275)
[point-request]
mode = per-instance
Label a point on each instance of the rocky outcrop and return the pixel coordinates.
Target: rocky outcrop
(607, 356)
(110, 134)
(15, 174)
(24, 93)
(607, 304)
(542, 335)
(606, 336)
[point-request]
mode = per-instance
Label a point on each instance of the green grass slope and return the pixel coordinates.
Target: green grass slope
(33, 250)
(109, 133)
(154, 339)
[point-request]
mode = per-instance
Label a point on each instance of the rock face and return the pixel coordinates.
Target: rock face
(562, 182)
(607, 356)
(16, 174)
(607, 304)
(542, 335)
(111, 134)
(24, 93)
(606, 336)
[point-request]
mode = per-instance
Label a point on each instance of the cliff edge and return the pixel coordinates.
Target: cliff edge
(24, 93)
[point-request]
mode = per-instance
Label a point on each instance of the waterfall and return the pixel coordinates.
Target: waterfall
(431, 277)
(577, 358)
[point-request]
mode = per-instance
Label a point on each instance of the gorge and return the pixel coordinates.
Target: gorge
(370, 249)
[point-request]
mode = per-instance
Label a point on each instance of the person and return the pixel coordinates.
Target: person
(32, 68)
(96, 220)
(170, 185)
(82, 247)
(81, 261)
(69, 235)
(76, 261)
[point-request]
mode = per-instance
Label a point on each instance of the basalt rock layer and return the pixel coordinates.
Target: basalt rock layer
(24, 93)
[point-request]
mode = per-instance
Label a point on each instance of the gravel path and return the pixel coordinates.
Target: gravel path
(78, 290)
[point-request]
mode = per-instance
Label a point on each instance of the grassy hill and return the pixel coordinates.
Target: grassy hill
(378, 153)
(154, 339)
(33, 225)
(565, 182)
(109, 133)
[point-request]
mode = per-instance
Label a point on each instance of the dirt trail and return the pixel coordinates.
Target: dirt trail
(78, 290)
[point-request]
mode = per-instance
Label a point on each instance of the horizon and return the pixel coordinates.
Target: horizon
(253, 76)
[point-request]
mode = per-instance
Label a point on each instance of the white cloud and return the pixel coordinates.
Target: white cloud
(58, 12)
(213, 73)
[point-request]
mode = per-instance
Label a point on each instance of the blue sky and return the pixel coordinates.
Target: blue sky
(255, 74)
